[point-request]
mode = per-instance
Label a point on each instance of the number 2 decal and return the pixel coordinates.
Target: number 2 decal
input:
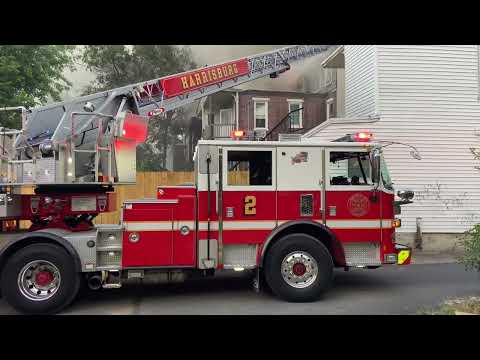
(250, 205)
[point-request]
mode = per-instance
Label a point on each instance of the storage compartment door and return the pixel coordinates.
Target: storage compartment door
(148, 238)
(184, 239)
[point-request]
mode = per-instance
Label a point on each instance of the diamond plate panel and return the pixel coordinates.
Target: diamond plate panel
(46, 170)
(88, 255)
(110, 238)
(362, 254)
(239, 256)
(109, 258)
(27, 172)
(109, 235)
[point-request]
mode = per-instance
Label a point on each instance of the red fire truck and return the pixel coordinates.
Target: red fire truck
(288, 211)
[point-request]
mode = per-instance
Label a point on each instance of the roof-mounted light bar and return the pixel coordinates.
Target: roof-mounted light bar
(359, 136)
(362, 136)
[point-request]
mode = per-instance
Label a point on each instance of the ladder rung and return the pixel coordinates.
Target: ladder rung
(85, 151)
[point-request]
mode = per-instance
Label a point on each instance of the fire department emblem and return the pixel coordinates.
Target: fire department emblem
(358, 205)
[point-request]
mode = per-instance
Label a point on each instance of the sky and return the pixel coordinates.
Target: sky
(213, 54)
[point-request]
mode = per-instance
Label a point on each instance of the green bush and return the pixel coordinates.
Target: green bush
(471, 244)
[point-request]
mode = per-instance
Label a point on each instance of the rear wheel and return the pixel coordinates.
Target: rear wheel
(40, 279)
(298, 268)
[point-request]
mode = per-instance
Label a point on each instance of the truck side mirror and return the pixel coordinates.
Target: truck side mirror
(375, 161)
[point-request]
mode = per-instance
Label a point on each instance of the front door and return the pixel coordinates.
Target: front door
(353, 213)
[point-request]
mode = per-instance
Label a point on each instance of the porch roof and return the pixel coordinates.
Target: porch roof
(336, 59)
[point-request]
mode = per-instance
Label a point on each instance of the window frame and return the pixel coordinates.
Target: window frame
(328, 102)
(255, 102)
(220, 116)
(330, 187)
(227, 187)
(300, 103)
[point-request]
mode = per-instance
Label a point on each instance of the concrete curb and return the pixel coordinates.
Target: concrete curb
(434, 258)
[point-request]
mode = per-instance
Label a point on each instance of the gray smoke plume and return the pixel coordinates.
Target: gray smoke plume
(305, 76)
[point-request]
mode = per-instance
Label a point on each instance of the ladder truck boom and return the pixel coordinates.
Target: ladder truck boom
(89, 129)
(85, 134)
(164, 92)
(173, 91)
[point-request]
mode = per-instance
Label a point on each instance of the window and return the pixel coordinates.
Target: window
(247, 168)
(386, 179)
(350, 168)
(261, 114)
(296, 117)
(330, 108)
(226, 116)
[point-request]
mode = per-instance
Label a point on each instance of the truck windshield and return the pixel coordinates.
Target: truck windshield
(349, 168)
(386, 179)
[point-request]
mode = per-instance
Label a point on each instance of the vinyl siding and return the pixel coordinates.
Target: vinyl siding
(360, 80)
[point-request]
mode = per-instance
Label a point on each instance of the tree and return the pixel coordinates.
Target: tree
(30, 75)
(119, 65)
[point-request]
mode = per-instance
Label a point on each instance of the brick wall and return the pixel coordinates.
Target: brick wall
(314, 111)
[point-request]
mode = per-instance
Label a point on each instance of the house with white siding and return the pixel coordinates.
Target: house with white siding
(428, 97)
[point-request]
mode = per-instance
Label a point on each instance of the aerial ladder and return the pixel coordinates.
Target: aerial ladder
(85, 146)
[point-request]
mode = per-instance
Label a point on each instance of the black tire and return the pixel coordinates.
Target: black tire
(67, 290)
(307, 244)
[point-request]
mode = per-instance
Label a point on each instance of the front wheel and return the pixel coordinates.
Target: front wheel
(298, 268)
(40, 279)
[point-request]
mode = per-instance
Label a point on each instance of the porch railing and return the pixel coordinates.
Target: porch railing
(219, 131)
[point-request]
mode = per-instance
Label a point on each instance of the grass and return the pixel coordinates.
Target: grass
(440, 310)
(470, 305)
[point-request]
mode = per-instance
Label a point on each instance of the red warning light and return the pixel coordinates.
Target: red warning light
(135, 127)
(363, 136)
(237, 134)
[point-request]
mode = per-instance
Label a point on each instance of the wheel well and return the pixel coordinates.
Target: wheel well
(318, 232)
(22, 243)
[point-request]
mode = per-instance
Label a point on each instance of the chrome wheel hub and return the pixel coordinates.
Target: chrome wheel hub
(39, 280)
(299, 269)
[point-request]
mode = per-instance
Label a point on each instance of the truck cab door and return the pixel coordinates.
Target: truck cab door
(249, 195)
(299, 183)
(352, 206)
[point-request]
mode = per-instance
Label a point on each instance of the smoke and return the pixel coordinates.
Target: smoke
(305, 76)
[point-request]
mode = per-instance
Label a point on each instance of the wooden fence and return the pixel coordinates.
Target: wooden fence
(145, 187)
